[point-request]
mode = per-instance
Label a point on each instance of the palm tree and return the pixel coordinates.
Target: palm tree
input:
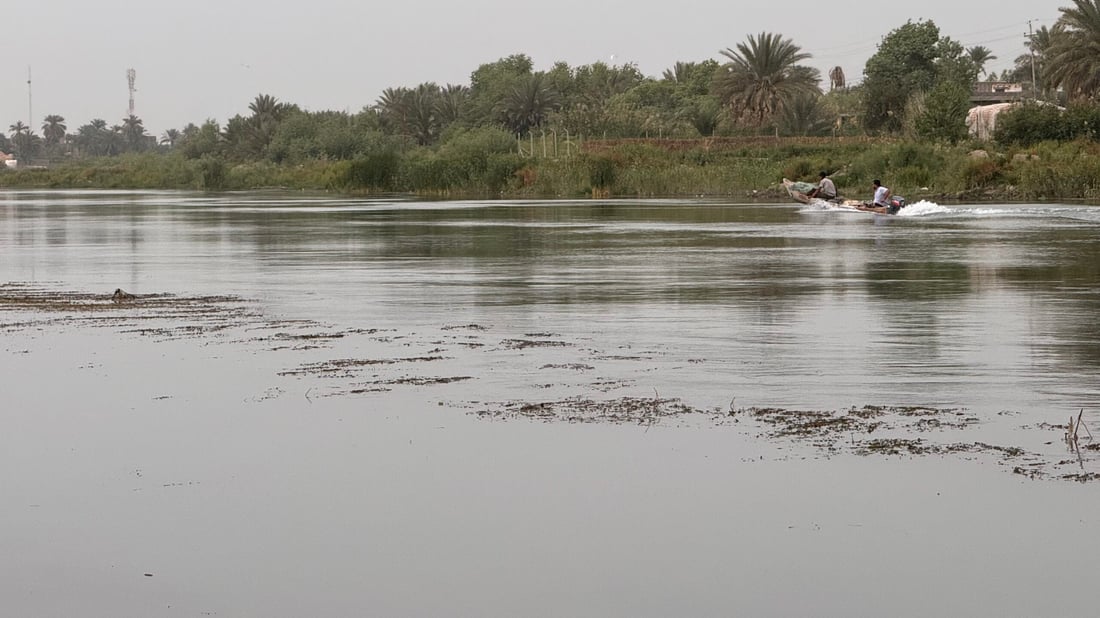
(452, 99)
(805, 115)
(190, 130)
(133, 132)
(24, 142)
(691, 78)
(762, 76)
(1074, 53)
(170, 137)
(91, 138)
(422, 115)
(680, 72)
(266, 106)
(703, 113)
(599, 82)
(980, 55)
(83, 140)
(529, 104)
(53, 129)
(1035, 61)
(267, 112)
(394, 107)
(114, 140)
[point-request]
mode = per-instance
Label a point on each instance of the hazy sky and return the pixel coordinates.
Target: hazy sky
(208, 59)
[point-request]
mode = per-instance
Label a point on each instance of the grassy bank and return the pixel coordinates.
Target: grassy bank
(646, 168)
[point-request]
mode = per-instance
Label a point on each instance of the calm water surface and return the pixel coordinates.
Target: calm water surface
(243, 496)
(984, 306)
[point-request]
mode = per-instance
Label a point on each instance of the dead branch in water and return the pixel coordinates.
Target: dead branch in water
(1072, 429)
(1080, 423)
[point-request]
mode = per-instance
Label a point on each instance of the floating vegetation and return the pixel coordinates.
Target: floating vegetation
(190, 316)
(606, 386)
(345, 367)
(314, 336)
(888, 431)
(424, 381)
(1065, 452)
(520, 344)
(624, 410)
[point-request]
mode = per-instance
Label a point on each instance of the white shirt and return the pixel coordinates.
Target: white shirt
(880, 196)
(826, 188)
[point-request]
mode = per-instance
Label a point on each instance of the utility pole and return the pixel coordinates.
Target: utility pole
(30, 107)
(1031, 48)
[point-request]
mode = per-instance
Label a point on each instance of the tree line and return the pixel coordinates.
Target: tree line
(917, 84)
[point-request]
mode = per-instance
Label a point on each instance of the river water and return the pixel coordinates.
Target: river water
(225, 474)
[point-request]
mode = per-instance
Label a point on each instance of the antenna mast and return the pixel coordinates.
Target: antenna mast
(1031, 48)
(131, 77)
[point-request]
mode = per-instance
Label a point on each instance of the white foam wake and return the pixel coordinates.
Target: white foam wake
(922, 208)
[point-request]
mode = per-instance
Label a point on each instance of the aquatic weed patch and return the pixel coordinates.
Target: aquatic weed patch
(623, 410)
(588, 383)
(894, 431)
(188, 316)
(347, 367)
(521, 344)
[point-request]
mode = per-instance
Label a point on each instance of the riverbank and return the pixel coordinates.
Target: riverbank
(737, 168)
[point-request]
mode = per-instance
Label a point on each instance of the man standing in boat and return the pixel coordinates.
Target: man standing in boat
(825, 188)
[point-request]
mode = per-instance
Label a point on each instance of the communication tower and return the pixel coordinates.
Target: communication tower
(131, 77)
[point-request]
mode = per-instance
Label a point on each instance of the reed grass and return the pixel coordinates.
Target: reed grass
(752, 167)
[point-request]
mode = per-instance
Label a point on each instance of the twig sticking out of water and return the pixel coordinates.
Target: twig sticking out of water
(1071, 435)
(656, 407)
(1080, 424)
(1071, 431)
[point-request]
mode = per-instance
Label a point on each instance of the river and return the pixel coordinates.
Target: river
(391, 410)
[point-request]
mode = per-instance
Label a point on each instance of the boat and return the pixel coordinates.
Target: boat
(799, 192)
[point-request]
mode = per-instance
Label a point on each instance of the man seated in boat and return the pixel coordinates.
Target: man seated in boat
(825, 189)
(881, 202)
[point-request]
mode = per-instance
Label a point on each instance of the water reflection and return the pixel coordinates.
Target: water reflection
(959, 290)
(152, 475)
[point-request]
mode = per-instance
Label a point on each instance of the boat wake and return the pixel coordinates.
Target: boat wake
(919, 209)
(923, 208)
(926, 208)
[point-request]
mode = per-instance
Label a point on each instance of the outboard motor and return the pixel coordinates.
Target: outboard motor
(896, 203)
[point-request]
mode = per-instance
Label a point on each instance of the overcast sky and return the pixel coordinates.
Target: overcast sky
(208, 59)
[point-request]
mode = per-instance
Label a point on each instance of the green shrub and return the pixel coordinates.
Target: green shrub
(601, 172)
(1030, 123)
(373, 171)
(979, 173)
(213, 174)
(500, 171)
(801, 168)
